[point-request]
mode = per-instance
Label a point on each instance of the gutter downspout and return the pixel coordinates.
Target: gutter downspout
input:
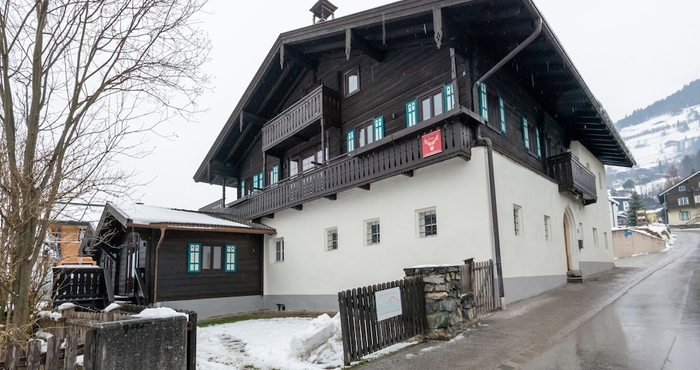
(489, 149)
(155, 279)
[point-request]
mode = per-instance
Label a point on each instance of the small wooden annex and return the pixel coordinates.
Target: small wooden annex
(152, 255)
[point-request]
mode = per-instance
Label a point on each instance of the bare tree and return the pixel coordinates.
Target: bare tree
(672, 176)
(81, 82)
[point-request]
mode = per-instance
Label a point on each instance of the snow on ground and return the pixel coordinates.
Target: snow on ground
(279, 343)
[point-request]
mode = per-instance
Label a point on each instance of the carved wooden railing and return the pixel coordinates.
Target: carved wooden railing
(393, 155)
(320, 103)
(571, 176)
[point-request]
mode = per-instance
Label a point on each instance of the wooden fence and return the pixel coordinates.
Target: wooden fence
(364, 334)
(478, 278)
(54, 358)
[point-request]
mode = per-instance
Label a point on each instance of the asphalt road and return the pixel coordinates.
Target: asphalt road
(655, 325)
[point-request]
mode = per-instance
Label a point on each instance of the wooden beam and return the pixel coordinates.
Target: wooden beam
(273, 89)
(352, 38)
(364, 187)
(331, 197)
(437, 26)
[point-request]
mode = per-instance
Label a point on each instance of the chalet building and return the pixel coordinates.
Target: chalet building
(682, 202)
(178, 258)
(420, 132)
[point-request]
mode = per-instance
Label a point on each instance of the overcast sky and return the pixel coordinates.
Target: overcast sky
(630, 53)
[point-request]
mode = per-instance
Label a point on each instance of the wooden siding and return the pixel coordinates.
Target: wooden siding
(175, 283)
(692, 188)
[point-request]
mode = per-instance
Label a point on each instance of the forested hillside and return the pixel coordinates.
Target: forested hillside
(688, 96)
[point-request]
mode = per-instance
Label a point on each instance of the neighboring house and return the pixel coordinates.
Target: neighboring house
(365, 141)
(63, 241)
(623, 203)
(183, 259)
(682, 201)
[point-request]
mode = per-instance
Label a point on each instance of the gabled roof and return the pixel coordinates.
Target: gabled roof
(678, 184)
(543, 69)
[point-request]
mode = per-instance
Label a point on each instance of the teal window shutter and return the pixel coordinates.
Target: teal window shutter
(242, 188)
(378, 128)
(483, 102)
(449, 97)
(537, 142)
(411, 113)
(258, 181)
(230, 264)
(350, 138)
(526, 134)
(502, 114)
(194, 258)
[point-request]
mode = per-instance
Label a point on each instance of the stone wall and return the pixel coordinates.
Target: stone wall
(443, 300)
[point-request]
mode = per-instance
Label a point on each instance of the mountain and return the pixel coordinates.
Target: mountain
(664, 134)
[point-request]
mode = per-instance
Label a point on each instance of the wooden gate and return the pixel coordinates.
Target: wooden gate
(363, 333)
(477, 278)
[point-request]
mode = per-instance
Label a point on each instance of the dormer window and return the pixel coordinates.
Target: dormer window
(352, 82)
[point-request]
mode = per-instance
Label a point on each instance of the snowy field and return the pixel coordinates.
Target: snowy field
(279, 343)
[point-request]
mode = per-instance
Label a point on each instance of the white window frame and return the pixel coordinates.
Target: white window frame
(369, 232)
(683, 201)
(424, 229)
(331, 239)
(681, 188)
(209, 259)
(697, 199)
(517, 220)
(279, 250)
(684, 216)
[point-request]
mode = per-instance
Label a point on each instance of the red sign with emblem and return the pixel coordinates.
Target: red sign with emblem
(431, 143)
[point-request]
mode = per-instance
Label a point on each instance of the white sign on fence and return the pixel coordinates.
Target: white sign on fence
(388, 303)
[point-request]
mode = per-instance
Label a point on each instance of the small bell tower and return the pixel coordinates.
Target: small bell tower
(323, 10)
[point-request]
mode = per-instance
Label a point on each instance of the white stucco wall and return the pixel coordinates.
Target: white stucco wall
(674, 215)
(458, 190)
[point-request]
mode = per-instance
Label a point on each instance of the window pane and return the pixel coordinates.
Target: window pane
(293, 167)
(425, 109)
(352, 83)
(306, 163)
(206, 257)
(216, 258)
(437, 103)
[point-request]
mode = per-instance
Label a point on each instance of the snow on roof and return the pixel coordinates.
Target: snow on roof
(145, 215)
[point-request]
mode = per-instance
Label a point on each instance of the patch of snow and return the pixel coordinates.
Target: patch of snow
(66, 306)
(146, 215)
(276, 343)
(158, 313)
(639, 254)
(55, 316)
(428, 349)
(112, 307)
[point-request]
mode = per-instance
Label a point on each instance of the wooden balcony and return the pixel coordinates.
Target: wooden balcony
(298, 120)
(573, 177)
(395, 154)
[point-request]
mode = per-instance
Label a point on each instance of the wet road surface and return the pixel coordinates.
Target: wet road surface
(656, 325)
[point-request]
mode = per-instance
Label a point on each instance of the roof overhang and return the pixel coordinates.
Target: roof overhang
(543, 69)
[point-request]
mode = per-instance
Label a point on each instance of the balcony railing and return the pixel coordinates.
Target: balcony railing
(393, 155)
(320, 103)
(573, 177)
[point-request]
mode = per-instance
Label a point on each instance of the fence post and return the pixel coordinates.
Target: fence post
(12, 354)
(53, 346)
(470, 273)
(192, 340)
(89, 350)
(71, 351)
(33, 354)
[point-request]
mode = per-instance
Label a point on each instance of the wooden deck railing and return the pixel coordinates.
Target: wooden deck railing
(393, 155)
(320, 103)
(572, 176)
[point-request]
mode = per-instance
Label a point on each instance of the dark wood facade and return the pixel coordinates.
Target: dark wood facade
(298, 147)
(683, 196)
(143, 265)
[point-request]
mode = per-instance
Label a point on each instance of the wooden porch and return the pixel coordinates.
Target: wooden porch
(395, 154)
(573, 177)
(296, 121)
